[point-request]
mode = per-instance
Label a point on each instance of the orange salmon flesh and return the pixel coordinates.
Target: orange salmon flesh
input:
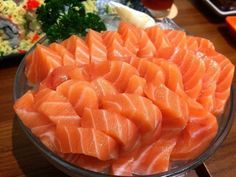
(126, 102)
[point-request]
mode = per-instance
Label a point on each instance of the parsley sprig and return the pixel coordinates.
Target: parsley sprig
(60, 19)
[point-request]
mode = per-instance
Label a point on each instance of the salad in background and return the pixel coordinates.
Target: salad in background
(19, 28)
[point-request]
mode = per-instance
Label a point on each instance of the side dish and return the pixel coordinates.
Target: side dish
(19, 28)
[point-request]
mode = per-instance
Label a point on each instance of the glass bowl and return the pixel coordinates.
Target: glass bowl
(224, 121)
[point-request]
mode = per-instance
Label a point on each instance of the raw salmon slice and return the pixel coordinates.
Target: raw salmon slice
(166, 100)
(46, 134)
(192, 69)
(210, 77)
(116, 72)
(78, 48)
(120, 128)
(55, 106)
(110, 37)
(146, 47)
(62, 74)
(47, 137)
(97, 50)
(80, 94)
(157, 37)
(86, 141)
(103, 87)
(41, 129)
(154, 158)
(196, 137)
(173, 76)
(67, 57)
(151, 136)
(115, 47)
(24, 108)
(40, 125)
(223, 83)
(124, 27)
(204, 43)
(199, 44)
(130, 35)
(148, 70)
(205, 46)
(136, 85)
(138, 109)
(44, 60)
(30, 67)
(177, 38)
(123, 165)
(192, 43)
(87, 162)
(220, 101)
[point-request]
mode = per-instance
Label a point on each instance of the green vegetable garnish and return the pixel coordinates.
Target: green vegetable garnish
(62, 18)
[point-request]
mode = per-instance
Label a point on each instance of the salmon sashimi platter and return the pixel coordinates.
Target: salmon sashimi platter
(126, 102)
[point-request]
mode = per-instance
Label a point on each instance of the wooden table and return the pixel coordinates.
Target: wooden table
(18, 157)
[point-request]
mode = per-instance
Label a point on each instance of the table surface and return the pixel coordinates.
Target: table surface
(18, 157)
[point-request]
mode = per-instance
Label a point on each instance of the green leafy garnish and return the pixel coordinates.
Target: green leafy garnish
(60, 19)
